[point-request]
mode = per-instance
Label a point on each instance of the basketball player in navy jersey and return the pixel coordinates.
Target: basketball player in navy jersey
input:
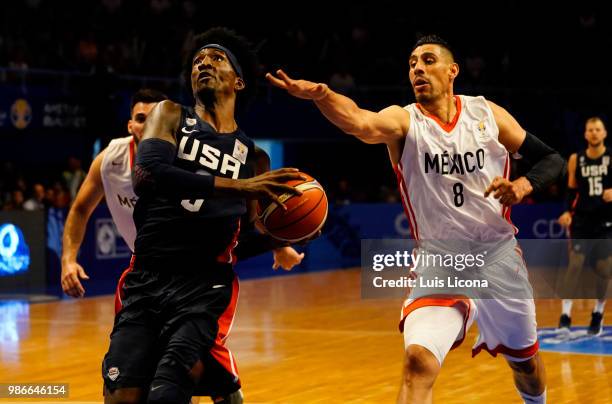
(450, 153)
(589, 218)
(110, 176)
(194, 171)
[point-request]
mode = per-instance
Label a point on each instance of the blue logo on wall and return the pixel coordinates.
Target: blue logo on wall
(14, 252)
(575, 340)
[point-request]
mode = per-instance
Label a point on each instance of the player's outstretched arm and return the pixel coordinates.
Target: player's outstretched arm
(88, 197)
(387, 126)
(547, 166)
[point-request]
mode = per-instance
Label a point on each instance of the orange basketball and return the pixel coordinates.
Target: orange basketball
(305, 214)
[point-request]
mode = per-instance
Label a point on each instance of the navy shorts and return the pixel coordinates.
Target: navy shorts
(592, 238)
(170, 319)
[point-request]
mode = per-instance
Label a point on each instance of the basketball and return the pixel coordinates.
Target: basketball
(305, 214)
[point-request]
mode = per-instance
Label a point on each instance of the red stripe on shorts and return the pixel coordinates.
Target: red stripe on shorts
(219, 351)
(522, 353)
(461, 303)
(408, 210)
(227, 256)
(119, 290)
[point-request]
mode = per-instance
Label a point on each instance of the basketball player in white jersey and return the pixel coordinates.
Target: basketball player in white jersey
(451, 156)
(110, 177)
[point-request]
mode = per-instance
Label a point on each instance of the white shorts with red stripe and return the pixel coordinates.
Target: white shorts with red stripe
(506, 317)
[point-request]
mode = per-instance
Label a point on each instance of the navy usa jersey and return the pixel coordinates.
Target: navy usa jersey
(593, 177)
(201, 229)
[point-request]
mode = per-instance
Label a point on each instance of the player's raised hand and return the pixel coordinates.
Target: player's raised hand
(272, 185)
(565, 220)
(286, 258)
(72, 272)
(607, 195)
(509, 192)
(298, 88)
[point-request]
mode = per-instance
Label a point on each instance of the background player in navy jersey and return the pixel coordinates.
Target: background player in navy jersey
(589, 218)
(194, 171)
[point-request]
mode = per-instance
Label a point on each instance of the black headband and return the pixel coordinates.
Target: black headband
(232, 59)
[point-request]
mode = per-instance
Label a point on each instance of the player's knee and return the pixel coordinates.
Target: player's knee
(576, 262)
(421, 364)
(196, 372)
(526, 368)
(603, 268)
(171, 370)
(167, 393)
(174, 382)
(124, 396)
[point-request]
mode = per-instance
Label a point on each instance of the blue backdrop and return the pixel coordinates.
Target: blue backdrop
(104, 255)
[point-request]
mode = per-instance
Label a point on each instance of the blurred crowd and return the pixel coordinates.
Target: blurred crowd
(521, 57)
(31, 190)
(22, 189)
(348, 44)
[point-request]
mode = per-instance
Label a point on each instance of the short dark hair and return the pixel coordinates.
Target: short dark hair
(434, 40)
(596, 119)
(238, 45)
(147, 96)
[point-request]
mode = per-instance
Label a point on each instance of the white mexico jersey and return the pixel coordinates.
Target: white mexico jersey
(445, 169)
(116, 171)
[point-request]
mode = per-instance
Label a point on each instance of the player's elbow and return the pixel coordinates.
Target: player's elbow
(152, 162)
(355, 126)
(363, 130)
(143, 180)
(81, 208)
(560, 165)
(369, 139)
(548, 170)
(556, 166)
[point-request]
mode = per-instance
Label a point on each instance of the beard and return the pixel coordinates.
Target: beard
(423, 98)
(595, 143)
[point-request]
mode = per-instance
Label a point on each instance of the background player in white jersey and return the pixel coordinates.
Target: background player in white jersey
(110, 176)
(589, 219)
(450, 153)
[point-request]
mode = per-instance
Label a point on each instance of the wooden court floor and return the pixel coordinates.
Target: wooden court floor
(306, 338)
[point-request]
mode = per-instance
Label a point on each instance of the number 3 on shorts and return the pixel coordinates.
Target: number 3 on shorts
(192, 205)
